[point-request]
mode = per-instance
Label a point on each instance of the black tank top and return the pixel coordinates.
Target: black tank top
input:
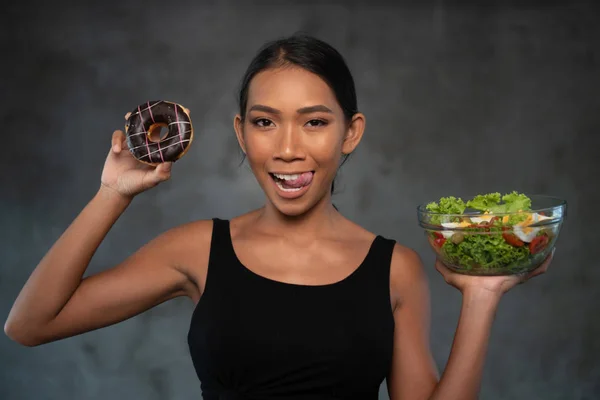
(251, 337)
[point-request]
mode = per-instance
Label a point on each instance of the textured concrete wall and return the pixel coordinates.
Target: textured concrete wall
(458, 100)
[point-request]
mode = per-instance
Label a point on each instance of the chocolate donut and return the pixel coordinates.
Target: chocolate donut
(147, 119)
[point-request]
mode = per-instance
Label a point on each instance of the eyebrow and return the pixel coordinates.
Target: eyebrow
(303, 110)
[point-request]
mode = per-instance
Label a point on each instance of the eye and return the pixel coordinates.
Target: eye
(313, 123)
(261, 122)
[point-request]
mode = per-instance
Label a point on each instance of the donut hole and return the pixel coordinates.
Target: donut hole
(158, 132)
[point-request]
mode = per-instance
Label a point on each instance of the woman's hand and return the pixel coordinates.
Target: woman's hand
(127, 176)
(497, 285)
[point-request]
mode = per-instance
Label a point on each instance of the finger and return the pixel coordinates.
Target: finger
(538, 271)
(158, 174)
(523, 276)
(162, 172)
(117, 141)
(543, 267)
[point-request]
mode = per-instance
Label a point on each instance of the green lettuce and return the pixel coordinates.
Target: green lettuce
(485, 251)
(511, 202)
(484, 202)
(493, 203)
(514, 202)
(446, 205)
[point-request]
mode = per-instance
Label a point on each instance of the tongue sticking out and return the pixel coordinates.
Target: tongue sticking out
(303, 179)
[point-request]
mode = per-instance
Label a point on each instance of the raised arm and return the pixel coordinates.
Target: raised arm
(56, 302)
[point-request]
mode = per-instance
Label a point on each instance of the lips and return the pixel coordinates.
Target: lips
(292, 185)
(293, 181)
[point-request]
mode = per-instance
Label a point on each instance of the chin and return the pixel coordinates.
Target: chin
(291, 205)
(293, 210)
(300, 206)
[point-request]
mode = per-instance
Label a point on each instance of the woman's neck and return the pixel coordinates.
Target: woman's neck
(316, 221)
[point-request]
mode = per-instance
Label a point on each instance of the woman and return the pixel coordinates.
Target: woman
(293, 300)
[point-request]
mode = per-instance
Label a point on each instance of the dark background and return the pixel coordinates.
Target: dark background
(460, 99)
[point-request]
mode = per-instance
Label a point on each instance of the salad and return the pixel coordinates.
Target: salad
(490, 232)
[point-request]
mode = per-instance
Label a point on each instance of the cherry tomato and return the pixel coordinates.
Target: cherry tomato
(512, 239)
(438, 235)
(439, 242)
(538, 244)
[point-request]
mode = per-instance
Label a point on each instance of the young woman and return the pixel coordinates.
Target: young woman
(293, 299)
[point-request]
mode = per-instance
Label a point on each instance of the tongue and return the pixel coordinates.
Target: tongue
(302, 180)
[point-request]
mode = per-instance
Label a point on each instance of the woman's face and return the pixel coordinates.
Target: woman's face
(294, 135)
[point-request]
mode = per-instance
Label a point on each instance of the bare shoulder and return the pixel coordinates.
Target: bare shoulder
(197, 233)
(187, 247)
(407, 274)
(193, 237)
(406, 260)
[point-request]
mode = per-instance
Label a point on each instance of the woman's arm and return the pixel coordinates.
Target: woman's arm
(413, 375)
(461, 378)
(56, 302)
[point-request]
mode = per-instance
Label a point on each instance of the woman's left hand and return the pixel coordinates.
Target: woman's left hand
(495, 284)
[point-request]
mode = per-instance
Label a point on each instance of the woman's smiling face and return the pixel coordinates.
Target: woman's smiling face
(294, 134)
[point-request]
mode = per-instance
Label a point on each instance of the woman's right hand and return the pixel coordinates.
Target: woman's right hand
(127, 176)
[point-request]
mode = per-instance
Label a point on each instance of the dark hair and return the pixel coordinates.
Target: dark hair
(313, 55)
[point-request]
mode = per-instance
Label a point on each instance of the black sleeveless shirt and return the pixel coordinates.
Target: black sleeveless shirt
(251, 337)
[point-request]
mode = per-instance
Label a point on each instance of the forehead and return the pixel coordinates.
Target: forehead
(290, 88)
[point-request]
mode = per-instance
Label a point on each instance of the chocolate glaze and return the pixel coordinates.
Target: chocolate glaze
(176, 142)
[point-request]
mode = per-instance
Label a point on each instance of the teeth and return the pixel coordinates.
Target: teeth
(285, 189)
(287, 177)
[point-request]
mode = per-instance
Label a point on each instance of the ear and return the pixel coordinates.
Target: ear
(354, 133)
(238, 126)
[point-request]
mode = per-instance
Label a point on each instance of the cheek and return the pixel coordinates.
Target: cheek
(258, 155)
(326, 148)
(256, 159)
(257, 147)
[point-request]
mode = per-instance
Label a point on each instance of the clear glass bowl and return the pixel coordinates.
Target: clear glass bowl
(474, 243)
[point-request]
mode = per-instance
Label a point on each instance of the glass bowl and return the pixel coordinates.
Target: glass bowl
(483, 243)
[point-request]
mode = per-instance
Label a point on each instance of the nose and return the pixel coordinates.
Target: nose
(289, 145)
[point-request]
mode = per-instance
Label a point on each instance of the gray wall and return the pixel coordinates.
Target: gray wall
(458, 100)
